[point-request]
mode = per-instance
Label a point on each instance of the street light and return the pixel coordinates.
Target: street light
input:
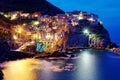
(6, 16)
(19, 30)
(14, 16)
(15, 37)
(49, 36)
(36, 23)
(80, 17)
(91, 19)
(85, 31)
(87, 34)
(36, 36)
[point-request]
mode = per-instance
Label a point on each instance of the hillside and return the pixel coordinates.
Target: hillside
(29, 6)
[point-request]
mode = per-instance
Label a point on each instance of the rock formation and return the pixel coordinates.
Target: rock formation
(89, 32)
(4, 50)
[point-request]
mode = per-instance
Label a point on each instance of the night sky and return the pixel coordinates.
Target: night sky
(107, 10)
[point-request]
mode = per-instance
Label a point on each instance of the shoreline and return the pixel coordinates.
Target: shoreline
(15, 55)
(115, 50)
(55, 55)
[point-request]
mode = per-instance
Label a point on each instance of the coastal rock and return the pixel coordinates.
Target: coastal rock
(115, 50)
(89, 32)
(99, 36)
(43, 6)
(4, 47)
(4, 50)
(1, 75)
(76, 40)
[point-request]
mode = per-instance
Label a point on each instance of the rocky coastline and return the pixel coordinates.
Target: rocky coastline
(115, 50)
(113, 47)
(8, 55)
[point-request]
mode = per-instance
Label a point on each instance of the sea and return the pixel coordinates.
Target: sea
(89, 64)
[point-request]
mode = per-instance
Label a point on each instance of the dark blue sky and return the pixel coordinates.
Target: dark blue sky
(107, 10)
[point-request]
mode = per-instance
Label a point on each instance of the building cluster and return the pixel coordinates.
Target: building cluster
(4, 33)
(48, 33)
(20, 15)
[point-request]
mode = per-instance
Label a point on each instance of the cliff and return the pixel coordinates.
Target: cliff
(96, 37)
(75, 29)
(89, 32)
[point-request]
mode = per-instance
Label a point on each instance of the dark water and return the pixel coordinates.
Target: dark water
(89, 65)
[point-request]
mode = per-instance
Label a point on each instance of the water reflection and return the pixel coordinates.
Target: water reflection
(19, 70)
(84, 68)
(87, 66)
(90, 65)
(33, 69)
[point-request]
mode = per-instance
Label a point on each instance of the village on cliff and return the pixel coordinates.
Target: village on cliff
(50, 30)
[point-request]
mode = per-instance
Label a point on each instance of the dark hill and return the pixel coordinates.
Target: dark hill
(29, 6)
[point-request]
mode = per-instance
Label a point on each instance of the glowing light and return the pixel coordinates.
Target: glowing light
(19, 30)
(25, 14)
(86, 31)
(36, 23)
(48, 36)
(32, 42)
(24, 24)
(36, 36)
(36, 15)
(91, 19)
(80, 16)
(74, 23)
(87, 59)
(20, 70)
(14, 16)
(15, 37)
(101, 22)
(6, 16)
